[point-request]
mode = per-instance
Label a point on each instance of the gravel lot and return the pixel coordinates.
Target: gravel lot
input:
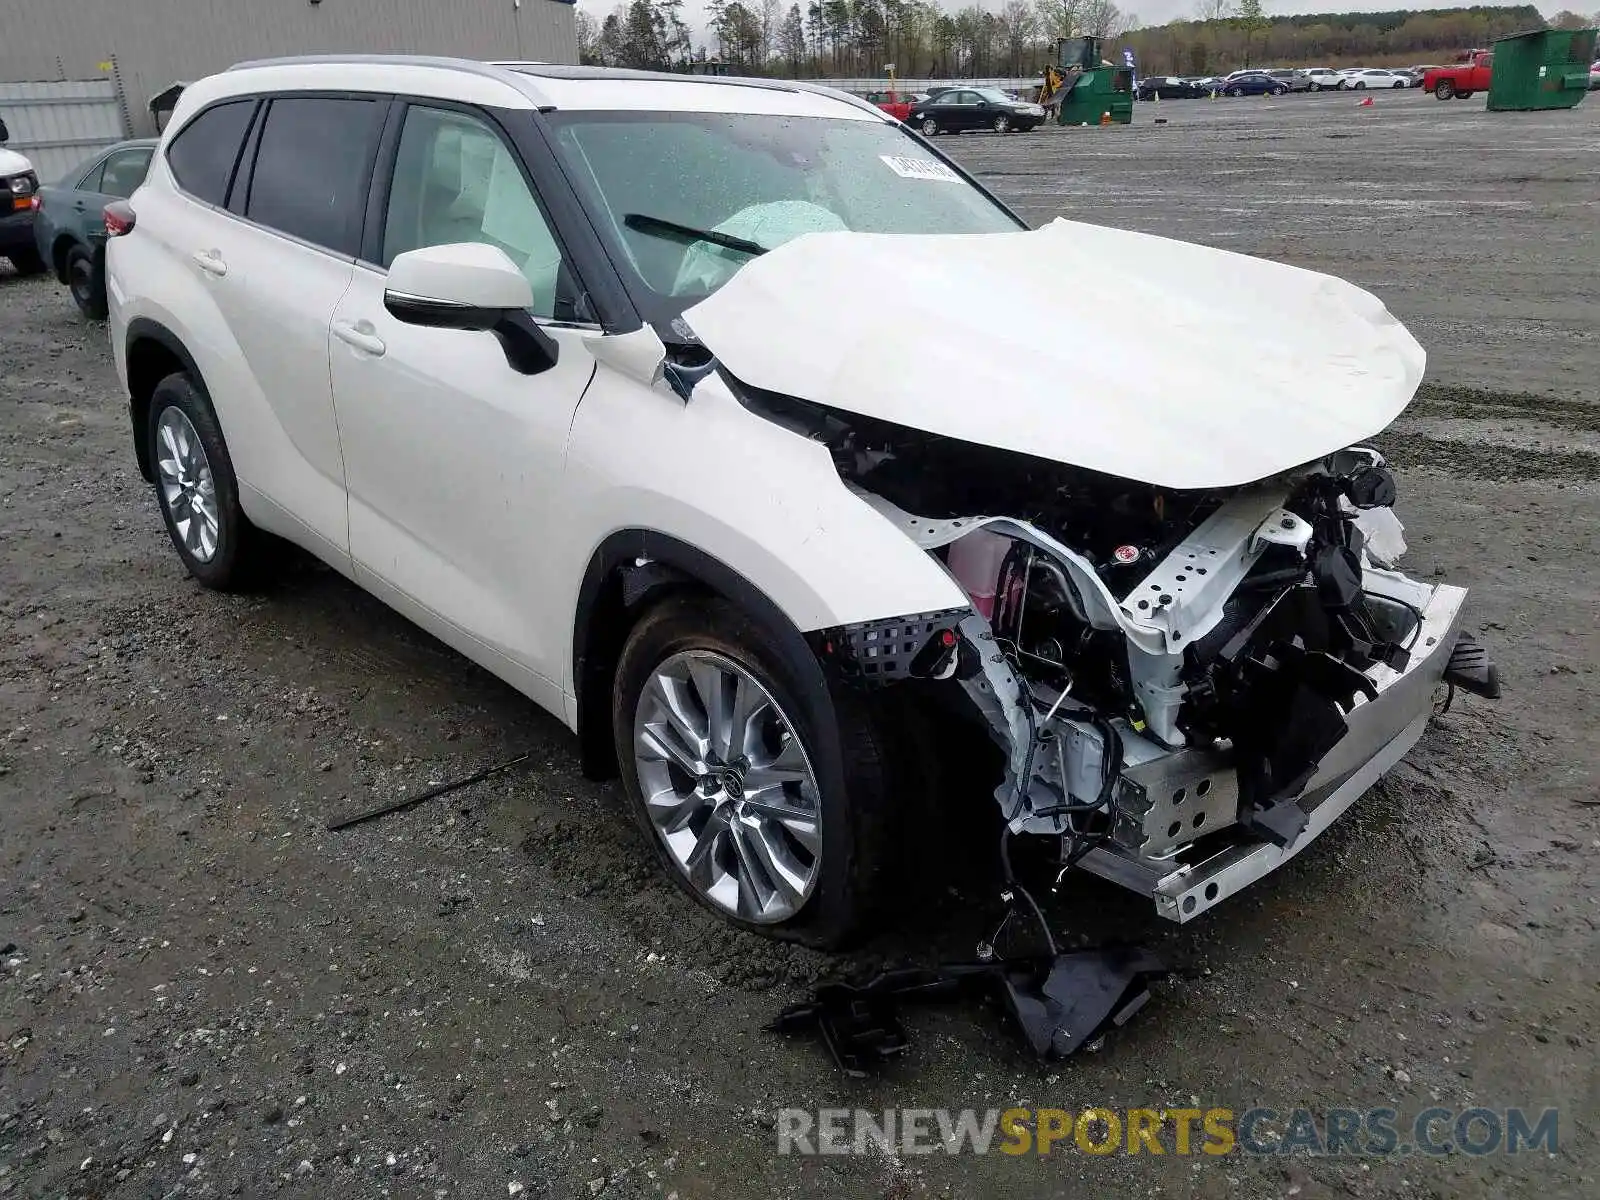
(202, 993)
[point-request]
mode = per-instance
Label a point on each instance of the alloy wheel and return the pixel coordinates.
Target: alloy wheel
(728, 787)
(188, 490)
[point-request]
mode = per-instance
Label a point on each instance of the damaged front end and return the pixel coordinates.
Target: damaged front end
(1187, 687)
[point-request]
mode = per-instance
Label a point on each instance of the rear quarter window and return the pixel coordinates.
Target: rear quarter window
(203, 155)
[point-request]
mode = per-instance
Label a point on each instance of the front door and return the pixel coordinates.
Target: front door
(453, 459)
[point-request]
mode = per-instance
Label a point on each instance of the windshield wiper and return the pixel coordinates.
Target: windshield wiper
(687, 234)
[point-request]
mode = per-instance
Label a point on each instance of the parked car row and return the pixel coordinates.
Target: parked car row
(1277, 81)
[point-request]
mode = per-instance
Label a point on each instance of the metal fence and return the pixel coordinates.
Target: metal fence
(860, 87)
(59, 124)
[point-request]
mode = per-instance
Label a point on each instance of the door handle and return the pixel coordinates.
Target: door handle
(210, 261)
(361, 335)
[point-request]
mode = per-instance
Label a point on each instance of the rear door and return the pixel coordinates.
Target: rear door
(299, 204)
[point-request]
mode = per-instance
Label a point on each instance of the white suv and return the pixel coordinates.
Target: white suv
(742, 430)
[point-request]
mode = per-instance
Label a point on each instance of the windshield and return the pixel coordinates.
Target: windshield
(653, 181)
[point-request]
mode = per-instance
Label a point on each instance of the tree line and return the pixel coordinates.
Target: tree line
(922, 39)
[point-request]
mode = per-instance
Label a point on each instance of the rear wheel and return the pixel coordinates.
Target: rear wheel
(732, 781)
(1360, 85)
(1444, 89)
(197, 489)
(88, 290)
(930, 127)
(26, 261)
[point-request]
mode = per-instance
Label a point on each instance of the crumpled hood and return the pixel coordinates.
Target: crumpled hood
(12, 163)
(1155, 360)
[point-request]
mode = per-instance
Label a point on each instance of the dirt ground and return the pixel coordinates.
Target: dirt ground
(204, 993)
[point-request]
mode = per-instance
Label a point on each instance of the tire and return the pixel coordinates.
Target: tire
(1463, 95)
(1360, 85)
(929, 127)
(688, 639)
(1002, 124)
(27, 262)
(1444, 89)
(1279, 91)
(238, 551)
(84, 282)
(1231, 92)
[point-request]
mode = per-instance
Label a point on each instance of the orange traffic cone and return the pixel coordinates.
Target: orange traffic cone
(1105, 118)
(1367, 103)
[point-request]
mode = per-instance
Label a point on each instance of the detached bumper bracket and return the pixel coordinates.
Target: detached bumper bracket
(1470, 669)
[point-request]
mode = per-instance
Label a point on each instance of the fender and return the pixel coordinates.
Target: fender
(608, 602)
(144, 329)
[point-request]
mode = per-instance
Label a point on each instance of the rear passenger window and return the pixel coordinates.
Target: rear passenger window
(310, 173)
(203, 154)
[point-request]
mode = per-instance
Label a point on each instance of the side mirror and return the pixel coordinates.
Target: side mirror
(470, 286)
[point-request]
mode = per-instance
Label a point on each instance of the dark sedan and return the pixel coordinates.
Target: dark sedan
(974, 108)
(1254, 83)
(1167, 87)
(69, 226)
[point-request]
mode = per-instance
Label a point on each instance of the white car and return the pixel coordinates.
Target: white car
(589, 374)
(1372, 77)
(1323, 78)
(19, 190)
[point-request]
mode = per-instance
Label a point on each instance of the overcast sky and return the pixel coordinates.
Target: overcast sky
(1149, 12)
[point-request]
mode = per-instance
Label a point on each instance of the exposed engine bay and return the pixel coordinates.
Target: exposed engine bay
(1188, 685)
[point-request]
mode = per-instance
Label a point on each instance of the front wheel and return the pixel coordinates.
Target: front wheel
(739, 791)
(1444, 89)
(1463, 95)
(1360, 85)
(84, 282)
(1278, 91)
(1002, 124)
(930, 127)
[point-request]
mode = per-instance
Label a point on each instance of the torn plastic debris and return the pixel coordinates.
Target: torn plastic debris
(1059, 1003)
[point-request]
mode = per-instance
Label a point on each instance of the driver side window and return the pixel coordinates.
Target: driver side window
(455, 180)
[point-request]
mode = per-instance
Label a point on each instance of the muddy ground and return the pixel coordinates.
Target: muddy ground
(203, 993)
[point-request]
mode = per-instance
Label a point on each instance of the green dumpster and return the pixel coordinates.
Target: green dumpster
(1093, 90)
(1545, 68)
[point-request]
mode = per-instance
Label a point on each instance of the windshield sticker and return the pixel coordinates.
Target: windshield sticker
(919, 168)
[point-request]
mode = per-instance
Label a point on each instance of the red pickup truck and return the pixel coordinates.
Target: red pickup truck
(1461, 80)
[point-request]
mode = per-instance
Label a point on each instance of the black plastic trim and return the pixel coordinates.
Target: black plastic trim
(145, 329)
(607, 608)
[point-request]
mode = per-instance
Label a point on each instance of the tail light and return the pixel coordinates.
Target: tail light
(120, 219)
